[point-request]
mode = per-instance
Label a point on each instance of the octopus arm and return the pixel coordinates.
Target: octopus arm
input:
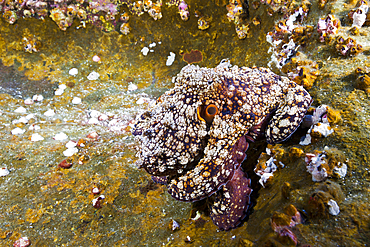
(288, 115)
(213, 171)
(160, 179)
(231, 202)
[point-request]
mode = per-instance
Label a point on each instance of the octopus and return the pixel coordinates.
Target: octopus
(194, 137)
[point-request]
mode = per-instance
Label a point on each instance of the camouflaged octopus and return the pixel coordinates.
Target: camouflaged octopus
(195, 136)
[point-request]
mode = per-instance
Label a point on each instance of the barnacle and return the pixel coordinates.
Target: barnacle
(10, 16)
(155, 11)
(347, 47)
(124, 17)
(136, 8)
(31, 44)
(242, 30)
(361, 15)
(203, 23)
(71, 10)
(363, 78)
(58, 16)
(81, 14)
(302, 70)
(147, 4)
(327, 26)
(124, 28)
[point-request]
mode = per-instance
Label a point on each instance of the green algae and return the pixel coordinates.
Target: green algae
(53, 206)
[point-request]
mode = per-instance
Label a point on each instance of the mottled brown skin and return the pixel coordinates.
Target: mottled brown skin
(199, 155)
(232, 201)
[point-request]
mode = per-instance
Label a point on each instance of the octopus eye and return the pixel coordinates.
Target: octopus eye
(207, 113)
(211, 111)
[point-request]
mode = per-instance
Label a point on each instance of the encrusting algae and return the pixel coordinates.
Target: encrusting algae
(74, 76)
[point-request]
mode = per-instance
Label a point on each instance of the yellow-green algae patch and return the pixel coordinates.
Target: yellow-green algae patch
(53, 206)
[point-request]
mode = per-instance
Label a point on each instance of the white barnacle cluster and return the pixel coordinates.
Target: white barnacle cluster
(267, 170)
(315, 166)
(340, 170)
(320, 125)
(223, 66)
(360, 15)
(327, 26)
(4, 172)
(281, 50)
(319, 168)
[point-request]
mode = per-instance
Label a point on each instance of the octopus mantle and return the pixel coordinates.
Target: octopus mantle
(195, 136)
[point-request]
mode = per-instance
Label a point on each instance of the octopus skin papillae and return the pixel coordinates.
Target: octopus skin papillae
(194, 138)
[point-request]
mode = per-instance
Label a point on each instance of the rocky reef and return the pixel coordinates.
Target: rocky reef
(74, 76)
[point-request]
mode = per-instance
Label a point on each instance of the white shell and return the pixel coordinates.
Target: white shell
(73, 71)
(333, 207)
(49, 113)
(93, 76)
(60, 136)
(36, 137)
(4, 172)
(17, 131)
(20, 109)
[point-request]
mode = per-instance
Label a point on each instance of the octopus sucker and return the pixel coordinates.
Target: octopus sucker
(195, 136)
